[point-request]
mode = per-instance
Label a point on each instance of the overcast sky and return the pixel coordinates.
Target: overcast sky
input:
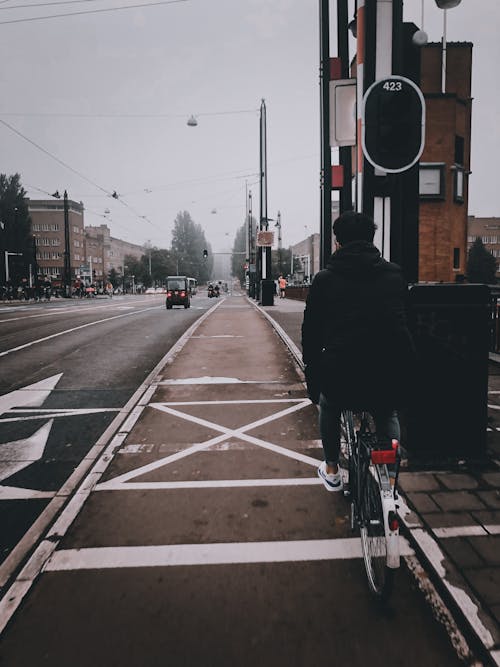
(109, 95)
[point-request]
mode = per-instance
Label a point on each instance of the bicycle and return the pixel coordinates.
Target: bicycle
(373, 496)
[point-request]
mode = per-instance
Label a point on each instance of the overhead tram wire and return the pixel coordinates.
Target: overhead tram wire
(78, 173)
(93, 11)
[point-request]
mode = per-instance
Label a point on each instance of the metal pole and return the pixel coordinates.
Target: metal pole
(7, 276)
(264, 253)
(443, 62)
(67, 259)
(345, 152)
(326, 167)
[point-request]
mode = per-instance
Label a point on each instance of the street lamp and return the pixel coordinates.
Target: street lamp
(7, 255)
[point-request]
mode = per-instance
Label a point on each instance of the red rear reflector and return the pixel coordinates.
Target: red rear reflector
(393, 521)
(381, 456)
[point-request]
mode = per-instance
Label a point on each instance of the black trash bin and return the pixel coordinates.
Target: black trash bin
(267, 294)
(447, 419)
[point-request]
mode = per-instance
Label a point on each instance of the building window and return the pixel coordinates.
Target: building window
(431, 180)
(35, 228)
(458, 185)
(55, 242)
(76, 230)
(456, 258)
(55, 227)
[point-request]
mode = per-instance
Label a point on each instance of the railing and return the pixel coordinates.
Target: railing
(299, 292)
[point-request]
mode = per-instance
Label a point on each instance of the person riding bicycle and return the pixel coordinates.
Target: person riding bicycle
(356, 346)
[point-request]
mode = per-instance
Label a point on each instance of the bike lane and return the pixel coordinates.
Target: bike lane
(205, 536)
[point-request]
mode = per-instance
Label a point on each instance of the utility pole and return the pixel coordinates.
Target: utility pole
(345, 152)
(278, 225)
(67, 257)
(326, 167)
(266, 283)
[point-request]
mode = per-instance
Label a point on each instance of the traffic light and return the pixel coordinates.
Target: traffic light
(393, 122)
(205, 254)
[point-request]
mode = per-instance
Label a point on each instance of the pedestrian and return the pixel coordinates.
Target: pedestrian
(282, 286)
(356, 346)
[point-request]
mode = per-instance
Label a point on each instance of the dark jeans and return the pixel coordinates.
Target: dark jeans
(386, 423)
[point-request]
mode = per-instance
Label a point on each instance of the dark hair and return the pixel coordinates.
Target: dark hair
(352, 226)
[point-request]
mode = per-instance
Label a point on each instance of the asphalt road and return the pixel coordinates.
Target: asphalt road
(67, 369)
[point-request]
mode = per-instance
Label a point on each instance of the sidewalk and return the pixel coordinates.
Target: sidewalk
(455, 525)
(203, 535)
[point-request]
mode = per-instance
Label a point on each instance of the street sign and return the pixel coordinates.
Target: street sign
(265, 239)
(393, 124)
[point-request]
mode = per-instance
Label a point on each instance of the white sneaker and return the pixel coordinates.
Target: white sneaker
(331, 481)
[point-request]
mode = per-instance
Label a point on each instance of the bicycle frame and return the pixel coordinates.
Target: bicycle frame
(373, 501)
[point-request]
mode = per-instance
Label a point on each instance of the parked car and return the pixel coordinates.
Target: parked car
(177, 292)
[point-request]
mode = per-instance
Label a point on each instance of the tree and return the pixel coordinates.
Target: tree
(481, 265)
(133, 267)
(114, 277)
(15, 229)
(280, 262)
(188, 244)
(238, 260)
(163, 264)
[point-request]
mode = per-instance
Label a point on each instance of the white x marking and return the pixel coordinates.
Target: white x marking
(226, 434)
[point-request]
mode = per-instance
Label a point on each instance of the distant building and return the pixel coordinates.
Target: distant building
(117, 251)
(47, 229)
(93, 252)
(488, 230)
(97, 248)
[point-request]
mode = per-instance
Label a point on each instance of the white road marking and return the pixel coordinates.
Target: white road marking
(218, 336)
(208, 379)
(227, 433)
(31, 395)
(210, 484)
(437, 559)
(67, 331)
(53, 413)
(240, 402)
(18, 454)
(16, 493)
(62, 311)
(460, 531)
(98, 558)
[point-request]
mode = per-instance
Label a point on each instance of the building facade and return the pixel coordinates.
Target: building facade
(118, 249)
(444, 168)
(488, 230)
(47, 228)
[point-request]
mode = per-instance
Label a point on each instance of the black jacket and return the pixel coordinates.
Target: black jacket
(355, 342)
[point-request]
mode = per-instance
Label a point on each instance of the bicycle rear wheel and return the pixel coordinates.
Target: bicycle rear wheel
(373, 540)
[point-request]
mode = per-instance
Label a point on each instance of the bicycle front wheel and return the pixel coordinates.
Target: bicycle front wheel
(373, 540)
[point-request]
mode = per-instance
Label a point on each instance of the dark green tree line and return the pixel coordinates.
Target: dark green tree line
(481, 265)
(15, 230)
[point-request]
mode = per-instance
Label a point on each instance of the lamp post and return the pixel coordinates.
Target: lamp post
(266, 282)
(7, 255)
(67, 251)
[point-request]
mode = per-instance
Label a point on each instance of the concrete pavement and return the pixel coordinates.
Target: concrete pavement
(203, 535)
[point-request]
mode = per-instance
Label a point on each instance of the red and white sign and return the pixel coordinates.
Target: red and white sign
(265, 239)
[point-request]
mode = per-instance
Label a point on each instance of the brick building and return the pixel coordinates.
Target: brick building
(445, 163)
(47, 228)
(92, 249)
(488, 230)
